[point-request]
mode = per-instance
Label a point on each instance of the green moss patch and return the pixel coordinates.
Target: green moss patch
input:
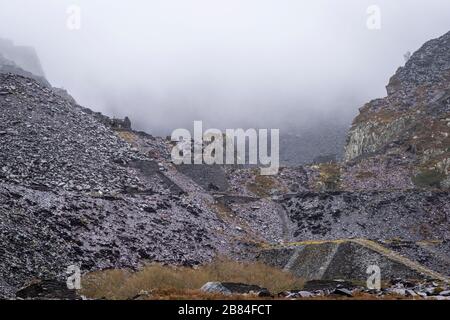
(429, 178)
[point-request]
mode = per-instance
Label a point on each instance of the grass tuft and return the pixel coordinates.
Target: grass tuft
(182, 282)
(429, 178)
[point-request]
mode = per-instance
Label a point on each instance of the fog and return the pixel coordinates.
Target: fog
(230, 63)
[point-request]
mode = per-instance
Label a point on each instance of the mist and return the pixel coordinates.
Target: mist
(235, 63)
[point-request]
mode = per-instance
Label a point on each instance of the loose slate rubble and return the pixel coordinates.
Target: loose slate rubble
(51, 143)
(69, 194)
(370, 214)
(430, 289)
(336, 289)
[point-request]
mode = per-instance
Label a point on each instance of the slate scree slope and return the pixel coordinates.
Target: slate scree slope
(80, 188)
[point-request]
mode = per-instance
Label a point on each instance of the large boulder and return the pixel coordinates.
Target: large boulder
(228, 288)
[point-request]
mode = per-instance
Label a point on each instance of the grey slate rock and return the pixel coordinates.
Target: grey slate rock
(228, 288)
(343, 292)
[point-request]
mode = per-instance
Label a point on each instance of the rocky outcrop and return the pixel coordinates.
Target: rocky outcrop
(412, 124)
(24, 57)
(9, 66)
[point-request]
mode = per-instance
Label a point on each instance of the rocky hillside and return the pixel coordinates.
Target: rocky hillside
(74, 191)
(403, 139)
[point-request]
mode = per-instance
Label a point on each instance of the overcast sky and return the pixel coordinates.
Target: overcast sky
(230, 63)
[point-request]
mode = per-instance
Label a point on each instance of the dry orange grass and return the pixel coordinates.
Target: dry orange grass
(127, 136)
(182, 282)
(263, 185)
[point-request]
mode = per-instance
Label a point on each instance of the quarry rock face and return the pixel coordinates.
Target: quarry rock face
(409, 129)
(396, 159)
(24, 57)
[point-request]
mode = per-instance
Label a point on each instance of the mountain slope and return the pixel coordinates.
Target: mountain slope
(74, 191)
(77, 187)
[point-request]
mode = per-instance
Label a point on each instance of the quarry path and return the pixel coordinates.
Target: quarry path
(286, 223)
